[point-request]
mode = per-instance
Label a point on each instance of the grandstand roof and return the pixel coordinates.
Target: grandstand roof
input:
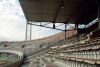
(60, 11)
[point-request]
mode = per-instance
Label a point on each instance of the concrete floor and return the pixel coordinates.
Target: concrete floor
(56, 63)
(59, 64)
(25, 65)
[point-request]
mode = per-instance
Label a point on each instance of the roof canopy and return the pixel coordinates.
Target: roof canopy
(60, 11)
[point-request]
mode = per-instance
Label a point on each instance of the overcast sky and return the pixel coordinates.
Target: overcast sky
(13, 22)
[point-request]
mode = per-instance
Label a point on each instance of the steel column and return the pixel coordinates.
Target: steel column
(65, 30)
(76, 26)
(30, 31)
(26, 31)
(98, 7)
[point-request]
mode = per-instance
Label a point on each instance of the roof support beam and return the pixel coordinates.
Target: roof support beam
(48, 1)
(57, 12)
(48, 27)
(75, 11)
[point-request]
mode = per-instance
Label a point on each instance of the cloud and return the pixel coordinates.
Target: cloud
(1, 0)
(3, 38)
(13, 23)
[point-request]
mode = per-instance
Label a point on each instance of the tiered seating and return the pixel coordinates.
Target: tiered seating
(48, 63)
(34, 65)
(87, 53)
(71, 48)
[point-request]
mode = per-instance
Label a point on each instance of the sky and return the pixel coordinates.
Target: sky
(13, 23)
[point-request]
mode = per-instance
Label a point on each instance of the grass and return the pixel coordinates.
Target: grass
(7, 60)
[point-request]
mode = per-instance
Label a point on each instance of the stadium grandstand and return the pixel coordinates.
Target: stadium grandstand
(76, 46)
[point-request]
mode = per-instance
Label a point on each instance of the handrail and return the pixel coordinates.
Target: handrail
(14, 52)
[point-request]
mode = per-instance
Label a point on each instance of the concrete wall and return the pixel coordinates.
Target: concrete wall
(16, 63)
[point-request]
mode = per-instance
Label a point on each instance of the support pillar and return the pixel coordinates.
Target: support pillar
(65, 30)
(28, 31)
(76, 26)
(98, 8)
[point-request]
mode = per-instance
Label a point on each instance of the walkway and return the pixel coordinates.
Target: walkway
(59, 64)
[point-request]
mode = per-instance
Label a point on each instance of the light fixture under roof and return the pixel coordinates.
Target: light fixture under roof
(62, 4)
